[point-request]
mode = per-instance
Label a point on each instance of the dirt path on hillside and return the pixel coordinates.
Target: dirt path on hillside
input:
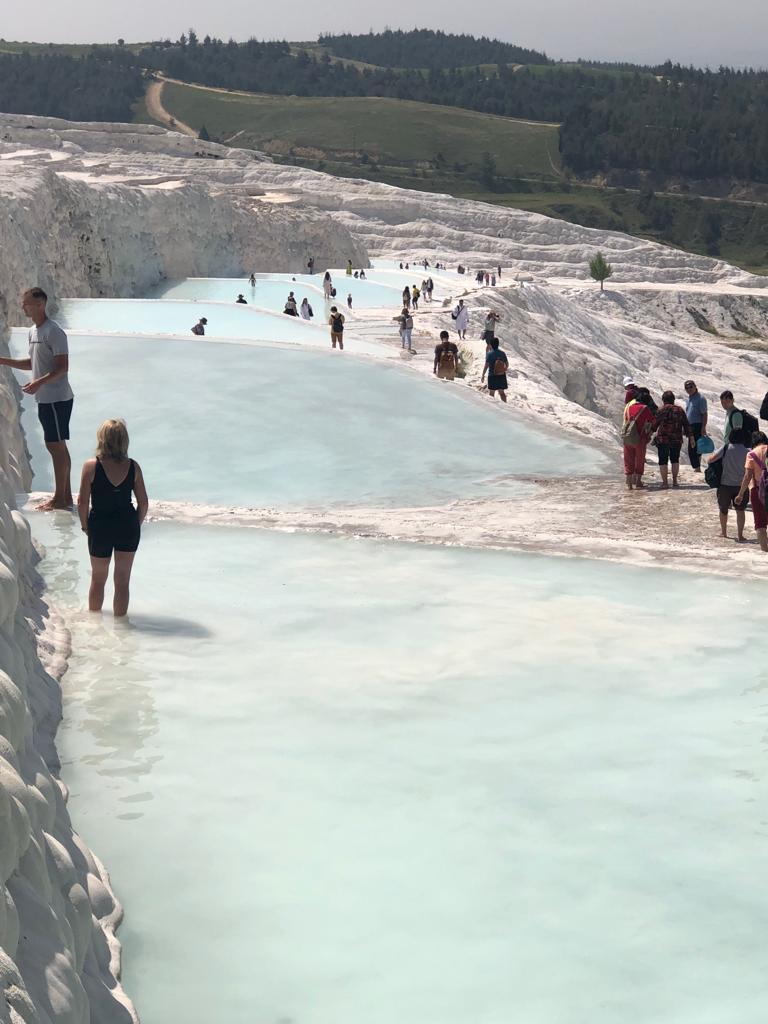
(154, 102)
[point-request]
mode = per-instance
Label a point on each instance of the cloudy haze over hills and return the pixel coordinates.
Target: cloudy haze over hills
(700, 32)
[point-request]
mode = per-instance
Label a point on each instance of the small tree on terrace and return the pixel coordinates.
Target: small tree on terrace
(599, 269)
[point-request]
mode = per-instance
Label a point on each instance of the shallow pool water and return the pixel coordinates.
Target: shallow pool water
(338, 781)
(225, 320)
(239, 425)
(271, 292)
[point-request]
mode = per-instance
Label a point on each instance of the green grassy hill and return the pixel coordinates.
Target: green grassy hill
(397, 134)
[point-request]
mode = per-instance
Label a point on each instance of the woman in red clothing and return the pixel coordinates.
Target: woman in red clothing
(636, 429)
(754, 470)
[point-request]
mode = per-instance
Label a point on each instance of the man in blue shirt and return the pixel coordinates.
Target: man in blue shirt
(696, 411)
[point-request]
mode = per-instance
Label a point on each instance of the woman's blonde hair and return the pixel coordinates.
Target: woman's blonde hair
(112, 440)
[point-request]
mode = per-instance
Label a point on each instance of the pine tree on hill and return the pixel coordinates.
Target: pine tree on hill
(599, 269)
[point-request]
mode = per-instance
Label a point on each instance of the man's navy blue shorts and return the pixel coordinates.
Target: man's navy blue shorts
(54, 417)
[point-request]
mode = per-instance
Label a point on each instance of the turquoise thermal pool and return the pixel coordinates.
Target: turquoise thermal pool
(225, 320)
(337, 781)
(253, 425)
(271, 293)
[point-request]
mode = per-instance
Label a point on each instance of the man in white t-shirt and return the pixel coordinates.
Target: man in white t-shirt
(48, 362)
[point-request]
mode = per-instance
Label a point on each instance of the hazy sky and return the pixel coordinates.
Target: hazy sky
(705, 32)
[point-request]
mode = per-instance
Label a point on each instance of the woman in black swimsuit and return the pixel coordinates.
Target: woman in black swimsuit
(108, 516)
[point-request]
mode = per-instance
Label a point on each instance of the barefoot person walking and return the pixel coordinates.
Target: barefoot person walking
(49, 362)
(108, 515)
(336, 323)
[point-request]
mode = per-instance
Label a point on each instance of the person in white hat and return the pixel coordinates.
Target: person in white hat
(630, 391)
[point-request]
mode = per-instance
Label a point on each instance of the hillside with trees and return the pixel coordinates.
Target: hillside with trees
(425, 48)
(99, 86)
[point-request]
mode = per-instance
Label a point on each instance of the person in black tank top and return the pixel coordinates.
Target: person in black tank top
(108, 515)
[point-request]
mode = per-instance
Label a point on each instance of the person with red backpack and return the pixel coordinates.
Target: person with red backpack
(496, 364)
(635, 431)
(756, 479)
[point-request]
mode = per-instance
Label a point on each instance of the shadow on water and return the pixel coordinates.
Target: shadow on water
(165, 625)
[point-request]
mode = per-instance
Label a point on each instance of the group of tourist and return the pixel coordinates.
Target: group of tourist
(488, 277)
(736, 470)
(108, 482)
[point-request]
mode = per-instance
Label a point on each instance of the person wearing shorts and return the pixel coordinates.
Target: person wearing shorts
(670, 425)
(48, 362)
(733, 457)
(496, 364)
(108, 515)
(336, 323)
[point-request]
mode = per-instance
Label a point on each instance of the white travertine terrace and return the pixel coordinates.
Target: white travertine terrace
(110, 210)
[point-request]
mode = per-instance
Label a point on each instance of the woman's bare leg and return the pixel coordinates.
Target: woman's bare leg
(99, 574)
(740, 516)
(675, 472)
(724, 523)
(122, 579)
(763, 539)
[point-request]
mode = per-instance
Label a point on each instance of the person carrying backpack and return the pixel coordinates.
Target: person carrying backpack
(737, 418)
(635, 431)
(756, 481)
(446, 358)
(405, 320)
(496, 364)
(336, 323)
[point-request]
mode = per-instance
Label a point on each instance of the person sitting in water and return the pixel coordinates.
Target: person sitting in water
(199, 327)
(362, 275)
(241, 300)
(291, 308)
(108, 515)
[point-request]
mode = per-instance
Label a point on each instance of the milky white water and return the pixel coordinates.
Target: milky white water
(231, 424)
(225, 320)
(337, 780)
(271, 291)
